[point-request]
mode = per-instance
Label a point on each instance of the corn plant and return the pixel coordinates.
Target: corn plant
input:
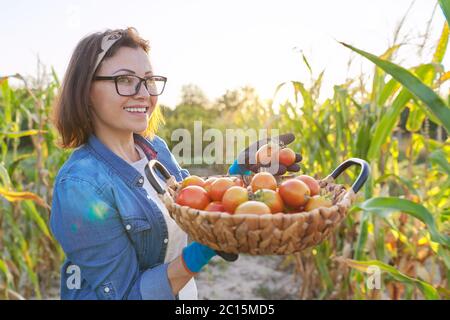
(29, 161)
(402, 227)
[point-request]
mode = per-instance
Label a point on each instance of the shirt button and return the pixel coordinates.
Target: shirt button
(148, 196)
(141, 180)
(128, 227)
(166, 240)
(106, 290)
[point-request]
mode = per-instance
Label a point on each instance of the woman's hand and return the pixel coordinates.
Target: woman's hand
(246, 160)
(196, 255)
(191, 261)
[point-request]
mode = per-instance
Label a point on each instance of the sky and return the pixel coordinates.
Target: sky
(220, 45)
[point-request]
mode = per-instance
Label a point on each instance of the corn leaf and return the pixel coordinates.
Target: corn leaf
(439, 158)
(36, 217)
(431, 100)
(445, 6)
(383, 206)
(387, 124)
(13, 196)
(415, 118)
(442, 45)
(427, 289)
(4, 177)
(20, 134)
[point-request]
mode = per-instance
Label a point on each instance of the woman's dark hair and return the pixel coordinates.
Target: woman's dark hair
(71, 111)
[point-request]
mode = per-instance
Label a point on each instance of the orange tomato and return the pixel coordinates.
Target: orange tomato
(208, 183)
(286, 156)
(194, 197)
(254, 207)
(318, 202)
(312, 184)
(263, 180)
(193, 181)
(215, 206)
(218, 188)
(233, 197)
(294, 192)
(271, 198)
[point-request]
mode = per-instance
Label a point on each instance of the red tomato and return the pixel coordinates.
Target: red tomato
(208, 183)
(267, 153)
(254, 207)
(286, 156)
(233, 197)
(215, 206)
(218, 188)
(192, 181)
(271, 198)
(295, 193)
(263, 180)
(312, 184)
(194, 197)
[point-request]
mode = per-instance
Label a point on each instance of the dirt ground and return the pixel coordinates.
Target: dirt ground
(249, 277)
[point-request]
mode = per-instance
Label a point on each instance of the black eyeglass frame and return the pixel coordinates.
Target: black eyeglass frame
(138, 86)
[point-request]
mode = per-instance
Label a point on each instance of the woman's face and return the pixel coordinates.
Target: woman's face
(111, 111)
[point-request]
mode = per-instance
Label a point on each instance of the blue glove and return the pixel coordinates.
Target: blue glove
(235, 168)
(197, 255)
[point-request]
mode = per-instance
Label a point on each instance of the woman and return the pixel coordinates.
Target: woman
(119, 240)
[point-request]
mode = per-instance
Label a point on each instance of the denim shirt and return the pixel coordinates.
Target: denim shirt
(113, 234)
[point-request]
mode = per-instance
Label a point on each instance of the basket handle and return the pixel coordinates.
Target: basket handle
(363, 175)
(151, 176)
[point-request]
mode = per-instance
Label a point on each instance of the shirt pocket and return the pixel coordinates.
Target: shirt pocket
(139, 231)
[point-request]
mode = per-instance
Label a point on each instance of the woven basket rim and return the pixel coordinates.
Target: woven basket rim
(349, 194)
(261, 234)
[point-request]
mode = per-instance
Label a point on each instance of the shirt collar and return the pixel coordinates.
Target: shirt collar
(120, 166)
(147, 146)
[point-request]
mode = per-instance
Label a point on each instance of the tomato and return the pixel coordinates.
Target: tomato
(254, 207)
(208, 183)
(193, 181)
(215, 206)
(271, 198)
(194, 197)
(218, 188)
(317, 202)
(312, 184)
(267, 153)
(238, 182)
(286, 156)
(263, 180)
(294, 192)
(233, 197)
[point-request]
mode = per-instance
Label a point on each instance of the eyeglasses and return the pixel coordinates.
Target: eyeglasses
(129, 85)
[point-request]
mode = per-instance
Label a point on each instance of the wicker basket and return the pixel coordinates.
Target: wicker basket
(268, 234)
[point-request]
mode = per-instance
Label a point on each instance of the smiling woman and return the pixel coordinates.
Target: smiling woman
(79, 89)
(114, 229)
